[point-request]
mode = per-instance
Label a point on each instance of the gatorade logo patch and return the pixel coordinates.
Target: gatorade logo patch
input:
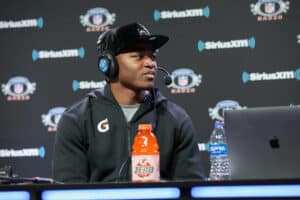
(103, 126)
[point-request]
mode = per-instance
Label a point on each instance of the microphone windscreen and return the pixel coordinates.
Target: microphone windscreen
(168, 80)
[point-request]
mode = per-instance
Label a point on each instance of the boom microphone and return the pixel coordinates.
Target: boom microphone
(167, 78)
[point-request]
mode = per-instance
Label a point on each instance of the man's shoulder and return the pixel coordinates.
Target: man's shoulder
(84, 104)
(175, 110)
(78, 108)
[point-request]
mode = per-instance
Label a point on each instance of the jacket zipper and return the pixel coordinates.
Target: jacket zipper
(129, 150)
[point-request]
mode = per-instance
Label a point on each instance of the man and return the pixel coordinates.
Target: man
(94, 136)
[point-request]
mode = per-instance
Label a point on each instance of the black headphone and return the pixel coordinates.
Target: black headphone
(107, 62)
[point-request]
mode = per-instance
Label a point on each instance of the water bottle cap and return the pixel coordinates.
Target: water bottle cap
(219, 123)
(145, 127)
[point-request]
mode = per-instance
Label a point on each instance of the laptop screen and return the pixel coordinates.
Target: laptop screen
(264, 142)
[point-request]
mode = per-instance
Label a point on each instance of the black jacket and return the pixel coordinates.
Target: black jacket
(85, 152)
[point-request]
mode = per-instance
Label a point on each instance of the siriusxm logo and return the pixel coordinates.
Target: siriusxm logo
(97, 19)
(76, 85)
(52, 118)
(283, 75)
(24, 23)
(226, 45)
(166, 14)
(28, 152)
(184, 80)
(18, 88)
(268, 10)
(217, 113)
(65, 53)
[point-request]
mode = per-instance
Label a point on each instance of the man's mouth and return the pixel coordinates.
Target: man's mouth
(150, 74)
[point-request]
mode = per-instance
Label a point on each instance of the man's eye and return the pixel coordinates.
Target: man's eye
(139, 56)
(136, 56)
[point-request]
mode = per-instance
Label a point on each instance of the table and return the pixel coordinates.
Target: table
(238, 189)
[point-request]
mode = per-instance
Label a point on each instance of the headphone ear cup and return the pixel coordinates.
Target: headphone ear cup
(103, 64)
(108, 65)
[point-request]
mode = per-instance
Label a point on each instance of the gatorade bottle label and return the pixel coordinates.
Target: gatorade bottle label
(145, 168)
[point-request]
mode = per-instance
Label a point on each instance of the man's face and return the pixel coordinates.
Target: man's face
(137, 69)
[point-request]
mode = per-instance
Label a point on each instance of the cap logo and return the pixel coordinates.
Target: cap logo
(143, 32)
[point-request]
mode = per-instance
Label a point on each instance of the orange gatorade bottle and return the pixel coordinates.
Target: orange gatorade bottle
(145, 156)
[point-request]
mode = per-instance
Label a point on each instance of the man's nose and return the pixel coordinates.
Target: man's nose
(150, 62)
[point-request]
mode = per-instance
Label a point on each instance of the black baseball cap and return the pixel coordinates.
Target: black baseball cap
(128, 38)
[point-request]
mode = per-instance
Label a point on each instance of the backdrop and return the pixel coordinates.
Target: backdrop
(224, 54)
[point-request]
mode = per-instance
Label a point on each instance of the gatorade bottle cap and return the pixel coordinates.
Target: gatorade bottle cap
(145, 127)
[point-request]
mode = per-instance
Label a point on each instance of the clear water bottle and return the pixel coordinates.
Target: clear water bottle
(219, 168)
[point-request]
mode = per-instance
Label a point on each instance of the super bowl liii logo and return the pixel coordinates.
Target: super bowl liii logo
(270, 10)
(18, 88)
(184, 81)
(97, 20)
(52, 118)
(217, 113)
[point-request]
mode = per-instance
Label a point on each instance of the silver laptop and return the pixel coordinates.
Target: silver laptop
(264, 143)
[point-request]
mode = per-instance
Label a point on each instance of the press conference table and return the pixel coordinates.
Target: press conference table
(254, 189)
